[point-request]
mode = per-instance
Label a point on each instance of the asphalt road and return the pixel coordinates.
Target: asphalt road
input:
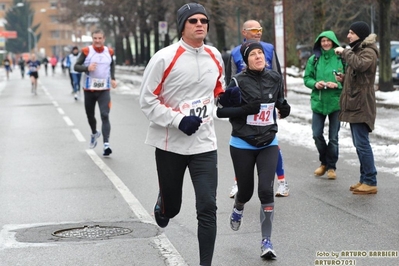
(51, 182)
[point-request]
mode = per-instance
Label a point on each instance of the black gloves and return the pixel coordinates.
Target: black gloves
(231, 97)
(251, 108)
(246, 109)
(190, 124)
(284, 108)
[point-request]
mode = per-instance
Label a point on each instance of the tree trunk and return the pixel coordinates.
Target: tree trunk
(318, 17)
(119, 52)
(142, 46)
(136, 60)
(148, 48)
(289, 27)
(219, 24)
(129, 56)
(385, 68)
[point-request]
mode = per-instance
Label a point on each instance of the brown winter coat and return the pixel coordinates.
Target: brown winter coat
(358, 95)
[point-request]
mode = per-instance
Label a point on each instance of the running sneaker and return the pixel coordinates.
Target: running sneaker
(234, 190)
(93, 139)
(236, 219)
(107, 150)
(76, 96)
(267, 251)
(282, 190)
(161, 220)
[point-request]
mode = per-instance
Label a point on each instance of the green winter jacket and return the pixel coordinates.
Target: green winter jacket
(320, 66)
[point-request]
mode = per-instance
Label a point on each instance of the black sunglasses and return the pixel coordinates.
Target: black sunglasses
(195, 20)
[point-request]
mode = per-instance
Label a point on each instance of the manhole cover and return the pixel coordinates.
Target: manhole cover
(92, 232)
(85, 231)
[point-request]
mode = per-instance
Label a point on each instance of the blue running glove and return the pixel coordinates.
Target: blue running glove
(190, 124)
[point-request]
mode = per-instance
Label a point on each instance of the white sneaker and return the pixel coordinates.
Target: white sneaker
(93, 139)
(236, 219)
(233, 191)
(267, 251)
(282, 190)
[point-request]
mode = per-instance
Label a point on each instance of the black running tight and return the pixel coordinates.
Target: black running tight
(104, 102)
(244, 162)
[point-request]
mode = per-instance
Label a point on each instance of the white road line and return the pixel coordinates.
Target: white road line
(60, 111)
(162, 243)
(45, 90)
(78, 135)
(166, 248)
(68, 121)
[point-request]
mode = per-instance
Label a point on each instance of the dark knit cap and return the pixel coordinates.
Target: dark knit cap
(187, 11)
(247, 47)
(361, 29)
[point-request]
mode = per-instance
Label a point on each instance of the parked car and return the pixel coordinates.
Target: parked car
(304, 52)
(395, 62)
(395, 73)
(395, 51)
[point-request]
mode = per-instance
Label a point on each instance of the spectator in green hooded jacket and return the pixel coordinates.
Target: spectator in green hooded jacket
(320, 78)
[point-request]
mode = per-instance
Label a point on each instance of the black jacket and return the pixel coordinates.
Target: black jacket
(267, 86)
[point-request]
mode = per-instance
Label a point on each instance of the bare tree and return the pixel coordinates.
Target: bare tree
(385, 70)
(132, 22)
(319, 17)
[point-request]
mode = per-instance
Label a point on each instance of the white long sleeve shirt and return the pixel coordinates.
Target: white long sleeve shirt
(178, 81)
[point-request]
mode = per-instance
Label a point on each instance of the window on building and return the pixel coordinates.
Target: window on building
(2, 6)
(55, 34)
(54, 19)
(53, 4)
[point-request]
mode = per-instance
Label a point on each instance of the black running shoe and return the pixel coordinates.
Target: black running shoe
(107, 150)
(161, 220)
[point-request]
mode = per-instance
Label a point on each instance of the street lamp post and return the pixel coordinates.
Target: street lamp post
(34, 38)
(29, 30)
(30, 18)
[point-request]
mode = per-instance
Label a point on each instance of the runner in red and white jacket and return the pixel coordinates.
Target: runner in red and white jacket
(178, 92)
(99, 77)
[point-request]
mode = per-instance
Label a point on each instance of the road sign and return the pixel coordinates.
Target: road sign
(9, 34)
(163, 27)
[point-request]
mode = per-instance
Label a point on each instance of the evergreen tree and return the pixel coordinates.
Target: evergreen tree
(19, 18)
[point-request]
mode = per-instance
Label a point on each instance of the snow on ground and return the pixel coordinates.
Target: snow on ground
(296, 129)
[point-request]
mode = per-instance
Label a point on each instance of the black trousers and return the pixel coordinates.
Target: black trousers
(203, 171)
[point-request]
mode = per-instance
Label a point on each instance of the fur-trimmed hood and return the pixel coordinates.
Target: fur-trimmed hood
(370, 42)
